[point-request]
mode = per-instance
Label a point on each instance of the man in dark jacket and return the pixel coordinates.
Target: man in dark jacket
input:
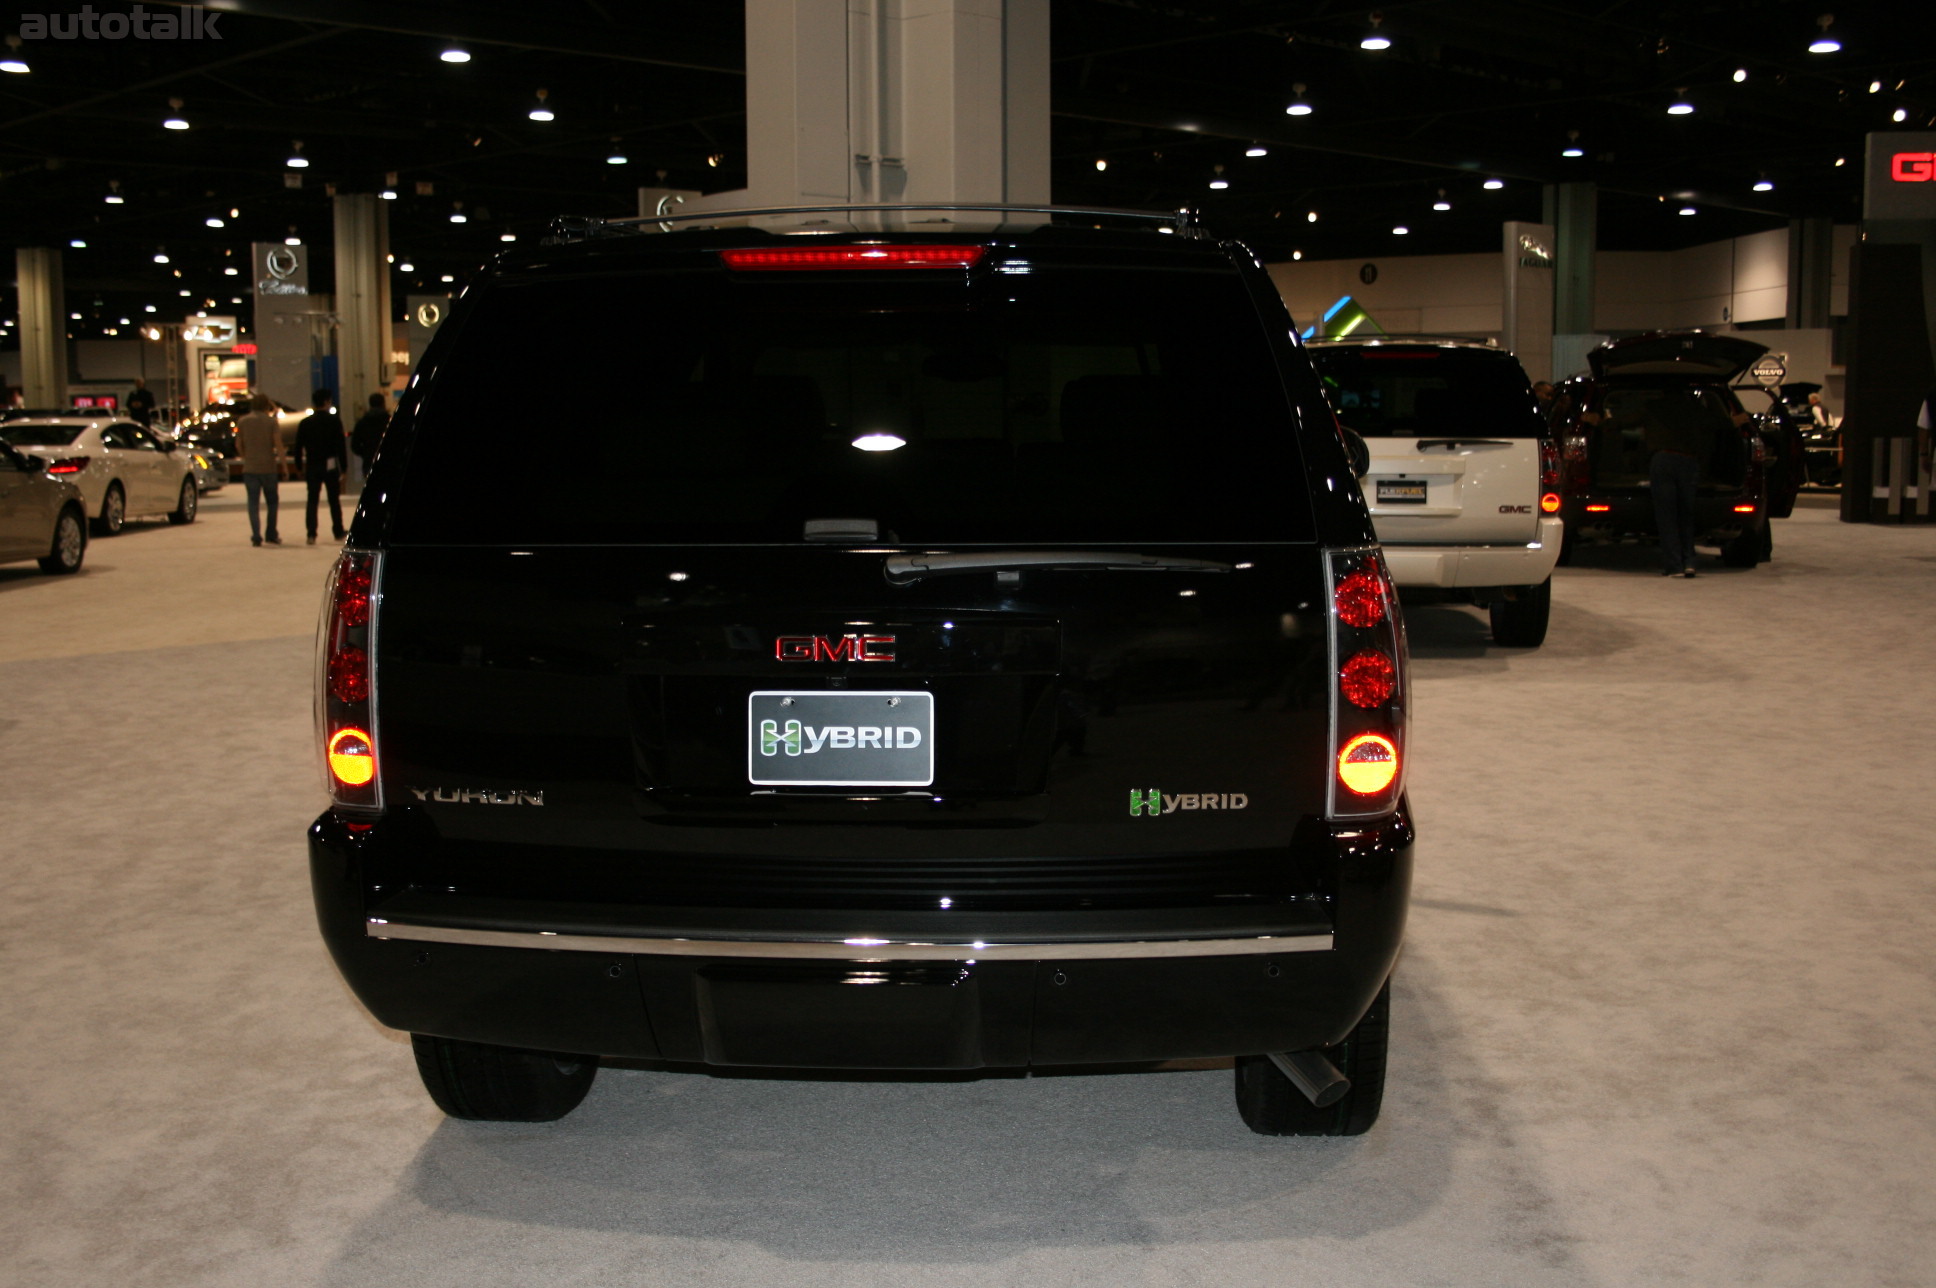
(1679, 437)
(369, 431)
(321, 453)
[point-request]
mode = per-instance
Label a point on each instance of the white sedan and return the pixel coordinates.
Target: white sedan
(121, 469)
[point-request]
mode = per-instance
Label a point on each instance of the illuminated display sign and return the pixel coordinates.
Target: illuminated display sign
(1901, 176)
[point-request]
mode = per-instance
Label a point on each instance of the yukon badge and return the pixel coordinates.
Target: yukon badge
(468, 796)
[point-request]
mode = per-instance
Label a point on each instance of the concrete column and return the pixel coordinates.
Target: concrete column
(43, 327)
(1811, 270)
(1573, 211)
(362, 301)
(1528, 311)
(887, 101)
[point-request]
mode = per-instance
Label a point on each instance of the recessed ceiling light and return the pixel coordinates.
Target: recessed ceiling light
(1687, 210)
(388, 194)
(1256, 150)
(1101, 163)
(216, 221)
(78, 244)
(1493, 185)
(1902, 114)
(15, 66)
(1310, 216)
(507, 236)
(292, 241)
(1400, 231)
(1680, 107)
(1297, 254)
(1764, 185)
(447, 278)
(617, 158)
(1740, 75)
(161, 257)
(1875, 87)
(231, 271)
(1572, 152)
(455, 55)
(406, 267)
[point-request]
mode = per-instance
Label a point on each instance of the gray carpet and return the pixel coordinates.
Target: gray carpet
(1665, 1015)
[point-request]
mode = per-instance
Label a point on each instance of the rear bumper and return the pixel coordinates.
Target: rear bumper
(1463, 566)
(1627, 515)
(785, 990)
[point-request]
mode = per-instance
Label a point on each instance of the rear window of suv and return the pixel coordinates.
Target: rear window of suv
(1387, 391)
(1021, 403)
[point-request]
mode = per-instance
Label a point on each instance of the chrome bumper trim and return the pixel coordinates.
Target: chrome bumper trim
(859, 948)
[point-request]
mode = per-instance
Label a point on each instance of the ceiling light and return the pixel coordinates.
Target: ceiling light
(292, 241)
(147, 308)
(1823, 42)
(458, 216)
(617, 157)
(1441, 203)
(1680, 106)
(1572, 148)
(1493, 185)
(1764, 185)
(1875, 87)
(1297, 254)
(216, 221)
(455, 55)
(161, 257)
(1740, 75)
(406, 267)
(1400, 231)
(507, 236)
(297, 161)
(231, 271)
(1375, 39)
(1902, 114)
(1101, 164)
(12, 62)
(715, 158)
(388, 194)
(1219, 183)
(78, 244)
(1841, 161)
(74, 317)
(1572, 152)
(1687, 210)
(447, 278)
(1298, 106)
(115, 199)
(184, 291)
(235, 299)
(1256, 150)
(541, 112)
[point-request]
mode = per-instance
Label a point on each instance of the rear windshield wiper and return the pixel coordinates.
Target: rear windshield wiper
(1424, 443)
(903, 569)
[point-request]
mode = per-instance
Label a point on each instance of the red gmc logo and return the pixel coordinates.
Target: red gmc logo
(841, 648)
(1913, 167)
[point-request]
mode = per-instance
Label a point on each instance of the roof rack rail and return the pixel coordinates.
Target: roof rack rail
(571, 228)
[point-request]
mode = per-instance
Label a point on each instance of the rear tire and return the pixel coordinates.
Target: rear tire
(1745, 550)
(69, 546)
(114, 512)
(1567, 542)
(186, 504)
(1271, 1106)
(1521, 622)
(501, 1084)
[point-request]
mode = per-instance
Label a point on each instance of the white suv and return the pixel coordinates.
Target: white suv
(1460, 483)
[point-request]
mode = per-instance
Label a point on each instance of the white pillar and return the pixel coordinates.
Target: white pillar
(362, 301)
(892, 101)
(1528, 314)
(43, 327)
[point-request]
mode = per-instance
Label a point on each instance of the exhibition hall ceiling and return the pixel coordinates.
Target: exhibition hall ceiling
(1153, 102)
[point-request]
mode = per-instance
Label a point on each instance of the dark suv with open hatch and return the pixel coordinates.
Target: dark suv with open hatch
(903, 640)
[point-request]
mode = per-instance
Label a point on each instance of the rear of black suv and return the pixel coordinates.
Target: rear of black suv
(844, 651)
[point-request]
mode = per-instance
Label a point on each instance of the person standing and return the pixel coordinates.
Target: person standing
(1678, 437)
(369, 431)
(257, 441)
(141, 403)
(321, 453)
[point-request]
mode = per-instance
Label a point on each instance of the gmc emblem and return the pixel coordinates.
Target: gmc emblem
(841, 648)
(1913, 167)
(1515, 509)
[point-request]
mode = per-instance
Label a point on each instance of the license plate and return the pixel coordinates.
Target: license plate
(1403, 491)
(840, 739)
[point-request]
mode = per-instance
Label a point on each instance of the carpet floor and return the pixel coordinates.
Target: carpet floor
(1666, 1014)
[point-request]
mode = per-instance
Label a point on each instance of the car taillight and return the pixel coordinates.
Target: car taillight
(1744, 509)
(1368, 695)
(1549, 469)
(67, 465)
(346, 682)
(790, 259)
(1550, 503)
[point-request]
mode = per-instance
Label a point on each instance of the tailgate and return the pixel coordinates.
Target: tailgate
(1454, 491)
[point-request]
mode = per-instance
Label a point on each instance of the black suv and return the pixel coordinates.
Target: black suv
(868, 650)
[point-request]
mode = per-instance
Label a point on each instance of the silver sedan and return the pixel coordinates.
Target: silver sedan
(121, 469)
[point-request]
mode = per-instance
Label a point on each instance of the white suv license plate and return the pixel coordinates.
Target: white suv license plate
(1402, 491)
(824, 738)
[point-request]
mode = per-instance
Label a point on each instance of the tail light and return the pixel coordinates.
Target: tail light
(794, 260)
(1368, 694)
(346, 682)
(67, 465)
(1576, 473)
(1549, 466)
